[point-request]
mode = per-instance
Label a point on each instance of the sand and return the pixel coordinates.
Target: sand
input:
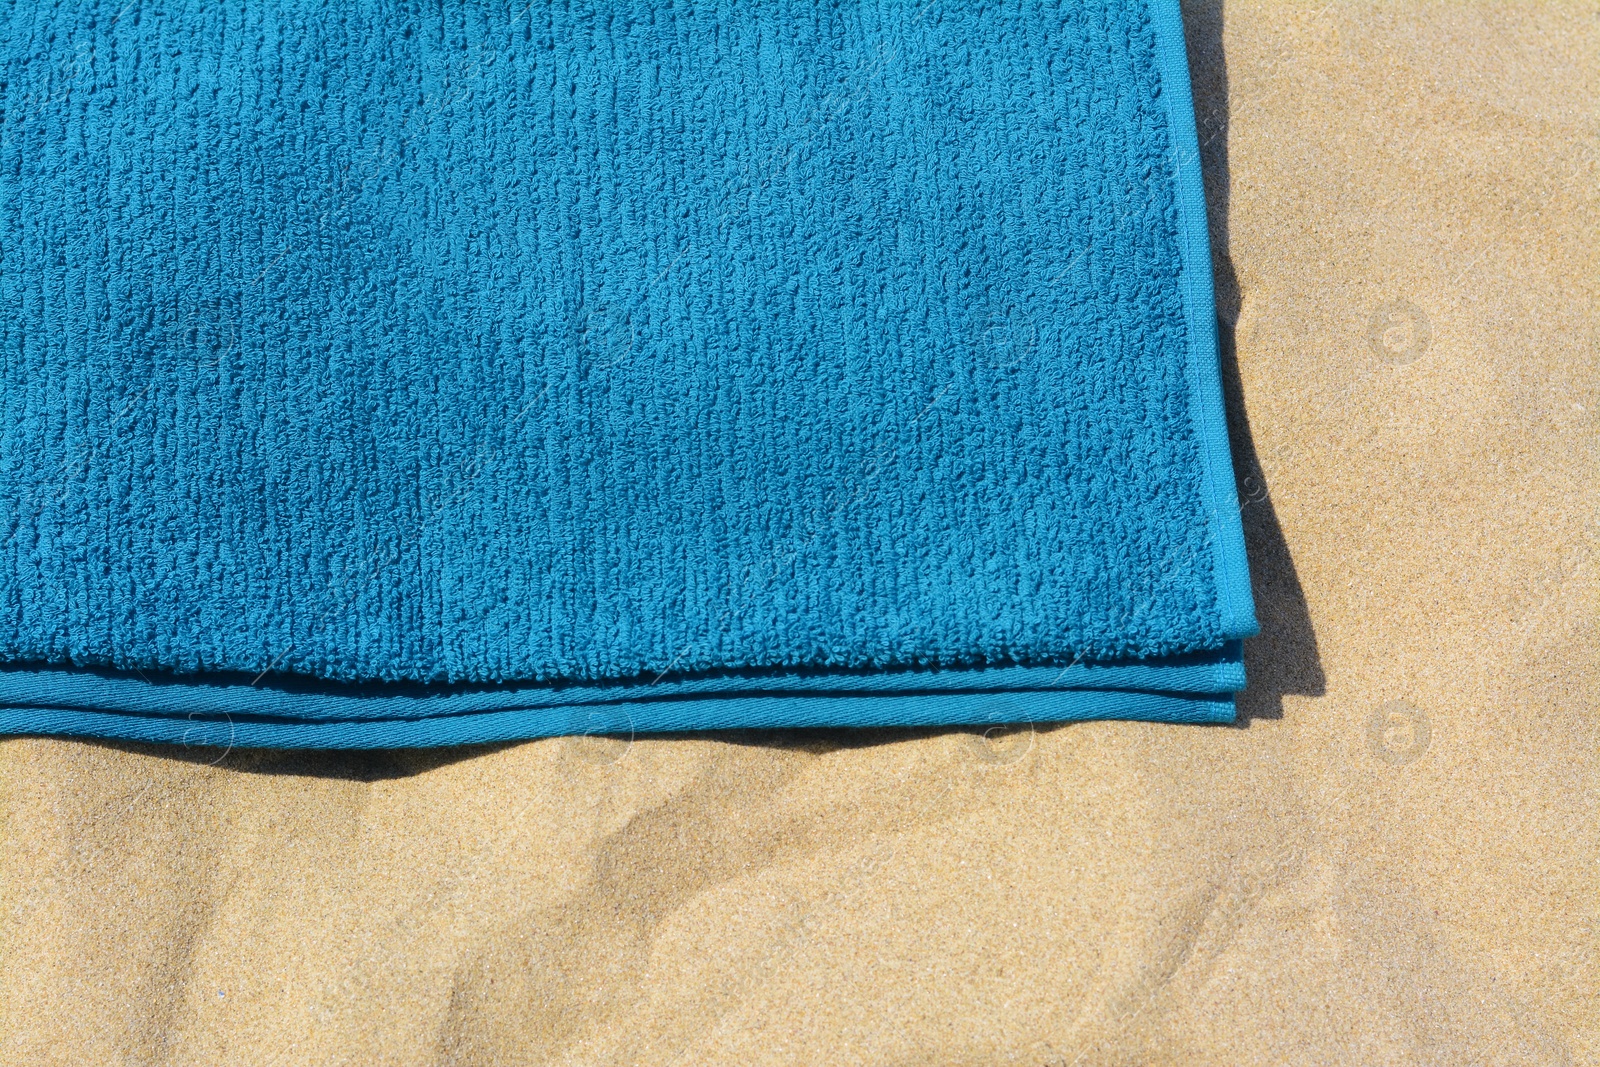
(1392, 859)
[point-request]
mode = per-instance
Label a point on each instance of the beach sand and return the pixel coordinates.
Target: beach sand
(1391, 859)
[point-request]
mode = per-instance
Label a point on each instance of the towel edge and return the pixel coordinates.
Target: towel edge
(1231, 566)
(630, 720)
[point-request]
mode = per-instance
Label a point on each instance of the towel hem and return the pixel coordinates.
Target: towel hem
(629, 719)
(1199, 302)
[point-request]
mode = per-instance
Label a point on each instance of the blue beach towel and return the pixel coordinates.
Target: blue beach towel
(398, 374)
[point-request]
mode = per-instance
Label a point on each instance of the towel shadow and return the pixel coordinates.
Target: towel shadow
(359, 765)
(1283, 659)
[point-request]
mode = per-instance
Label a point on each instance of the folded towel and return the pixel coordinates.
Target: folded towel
(389, 374)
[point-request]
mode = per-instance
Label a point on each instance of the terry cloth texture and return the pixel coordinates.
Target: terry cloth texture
(380, 374)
